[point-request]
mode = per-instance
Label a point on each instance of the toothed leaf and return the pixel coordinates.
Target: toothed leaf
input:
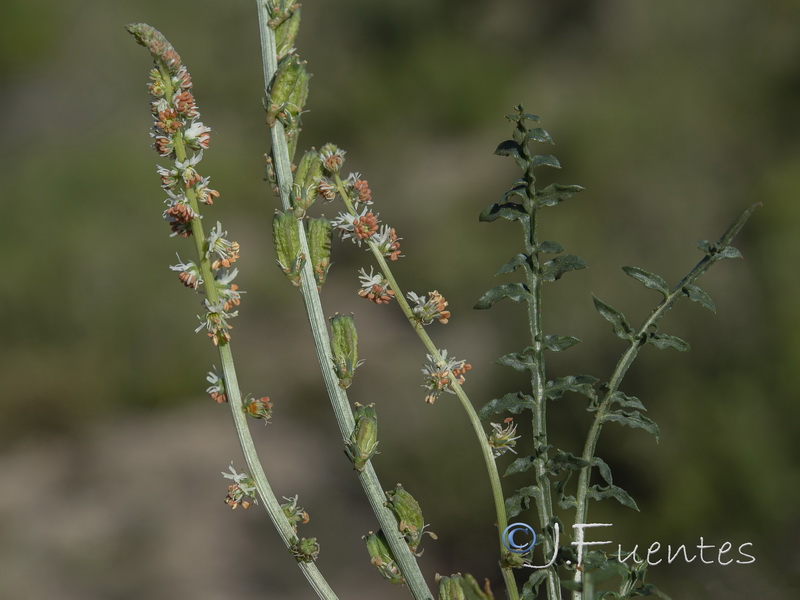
(700, 296)
(512, 402)
(649, 280)
(517, 292)
(633, 419)
(663, 341)
(553, 269)
(557, 343)
(615, 317)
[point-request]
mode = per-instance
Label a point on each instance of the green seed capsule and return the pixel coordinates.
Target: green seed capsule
(344, 347)
(381, 556)
(363, 443)
(319, 246)
(287, 245)
(450, 588)
(290, 70)
(286, 33)
(409, 516)
(306, 550)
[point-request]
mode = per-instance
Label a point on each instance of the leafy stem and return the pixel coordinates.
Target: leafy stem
(714, 252)
(344, 416)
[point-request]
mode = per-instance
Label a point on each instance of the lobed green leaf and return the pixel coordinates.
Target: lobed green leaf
(530, 591)
(553, 269)
(520, 500)
(649, 280)
(520, 260)
(597, 492)
(550, 248)
(518, 292)
(700, 296)
(582, 384)
(615, 317)
(556, 193)
(540, 135)
(513, 402)
(557, 343)
(633, 419)
(511, 211)
(663, 341)
(626, 401)
(517, 361)
(520, 465)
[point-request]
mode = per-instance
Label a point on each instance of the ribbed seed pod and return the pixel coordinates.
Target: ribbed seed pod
(344, 347)
(381, 556)
(319, 245)
(363, 442)
(287, 245)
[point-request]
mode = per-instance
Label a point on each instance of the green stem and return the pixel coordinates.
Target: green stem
(480, 434)
(255, 470)
(630, 354)
(405, 559)
(544, 502)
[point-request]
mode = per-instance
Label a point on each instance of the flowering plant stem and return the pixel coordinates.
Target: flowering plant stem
(344, 416)
(472, 415)
(256, 471)
(713, 254)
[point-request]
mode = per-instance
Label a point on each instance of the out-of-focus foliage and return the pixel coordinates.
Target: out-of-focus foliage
(696, 102)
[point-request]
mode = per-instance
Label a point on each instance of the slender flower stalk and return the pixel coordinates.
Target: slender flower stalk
(378, 251)
(284, 182)
(179, 132)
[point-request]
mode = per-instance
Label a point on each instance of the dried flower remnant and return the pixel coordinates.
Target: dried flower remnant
(437, 375)
(374, 287)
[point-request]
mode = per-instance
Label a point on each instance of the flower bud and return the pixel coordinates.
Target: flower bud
(409, 516)
(381, 556)
(319, 246)
(363, 443)
(287, 245)
(332, 158)
(344, 347)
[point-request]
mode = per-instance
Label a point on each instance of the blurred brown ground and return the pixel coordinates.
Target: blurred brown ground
(674, 116)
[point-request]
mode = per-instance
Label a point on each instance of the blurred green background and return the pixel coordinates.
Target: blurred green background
(674, 115)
